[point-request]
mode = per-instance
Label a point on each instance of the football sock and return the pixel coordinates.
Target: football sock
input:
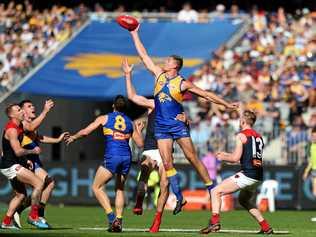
(264, 225)
(173, 178)
(215, 218)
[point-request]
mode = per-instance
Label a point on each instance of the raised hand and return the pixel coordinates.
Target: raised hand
(139, 125)
(127, 69)
(48, 105)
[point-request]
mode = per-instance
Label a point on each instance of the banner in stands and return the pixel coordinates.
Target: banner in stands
(73, 184)
(90, 65)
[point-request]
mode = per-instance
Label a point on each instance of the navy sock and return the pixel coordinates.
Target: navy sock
(111, 217)
(175, 186)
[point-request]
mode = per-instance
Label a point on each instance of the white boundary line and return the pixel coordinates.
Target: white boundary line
(184, 230)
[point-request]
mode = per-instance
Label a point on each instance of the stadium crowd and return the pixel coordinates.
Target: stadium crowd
(27, 36)
(272, 70)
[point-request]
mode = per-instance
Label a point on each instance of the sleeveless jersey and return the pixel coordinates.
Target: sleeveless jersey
(29, 142)
(150, 142)
(117, 132)
(251, 159)
(168, 97)
(9, 158)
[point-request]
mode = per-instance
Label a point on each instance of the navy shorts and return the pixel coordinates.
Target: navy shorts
(36, 163)
(118, 164)
(172, 131)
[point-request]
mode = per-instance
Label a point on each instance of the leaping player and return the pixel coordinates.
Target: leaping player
(168, 96)
(152, 158)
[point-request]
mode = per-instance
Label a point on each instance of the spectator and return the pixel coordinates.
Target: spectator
(27, 36)
(187, 14)
(212, 165)
(296, 140)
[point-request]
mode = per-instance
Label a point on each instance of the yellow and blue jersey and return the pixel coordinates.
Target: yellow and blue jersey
(29, 142)
(168, 98)
(117, 132)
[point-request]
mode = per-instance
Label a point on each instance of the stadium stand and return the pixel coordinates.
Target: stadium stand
(27, 36)
(272, 69)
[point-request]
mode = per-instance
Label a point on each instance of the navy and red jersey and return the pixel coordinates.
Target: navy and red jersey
(251, 158)
(150, 142)
(9, 158)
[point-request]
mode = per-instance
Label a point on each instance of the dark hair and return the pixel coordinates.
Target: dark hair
(120, 103)
(250, 117)
(21, 104)
(8, 109)
(314, 130)
(179, 61)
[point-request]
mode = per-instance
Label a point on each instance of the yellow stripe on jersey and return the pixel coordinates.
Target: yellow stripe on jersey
(161, 81)
(26, 141)
(107, 131)
(175, 90)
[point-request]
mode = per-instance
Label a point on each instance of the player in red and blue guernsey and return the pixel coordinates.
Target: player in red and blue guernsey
(248, 152)
(12, 165)
(168, 95)
(32, 139)
(117, 131)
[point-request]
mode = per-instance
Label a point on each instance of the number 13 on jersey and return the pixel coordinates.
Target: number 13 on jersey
(257, 150)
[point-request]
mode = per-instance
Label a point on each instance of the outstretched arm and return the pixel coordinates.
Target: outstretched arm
(142, 52)
(236, 155)
(131, 93)
(137, 133)
(32, 126)
(87, 130)
(187, 85)
(52, 140)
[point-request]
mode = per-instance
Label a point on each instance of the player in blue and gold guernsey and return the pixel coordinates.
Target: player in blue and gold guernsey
(151, 157)
(248, 153)
(117, 131)
(169, 90)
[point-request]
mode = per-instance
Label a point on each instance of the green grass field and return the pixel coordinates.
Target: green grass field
(67, 221)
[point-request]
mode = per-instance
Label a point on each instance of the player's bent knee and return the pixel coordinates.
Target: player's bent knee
(215, 191)
(95, 189)
(49, 182)
(20, 196)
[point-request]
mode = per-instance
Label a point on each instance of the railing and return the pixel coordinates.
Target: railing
(161, 16)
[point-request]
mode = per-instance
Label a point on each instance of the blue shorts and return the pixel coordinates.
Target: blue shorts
(172, 131)
(118, 164)
(36, 163)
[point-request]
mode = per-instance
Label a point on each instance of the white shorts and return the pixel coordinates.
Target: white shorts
(154, 155)
(11, 172)
(245, 182)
